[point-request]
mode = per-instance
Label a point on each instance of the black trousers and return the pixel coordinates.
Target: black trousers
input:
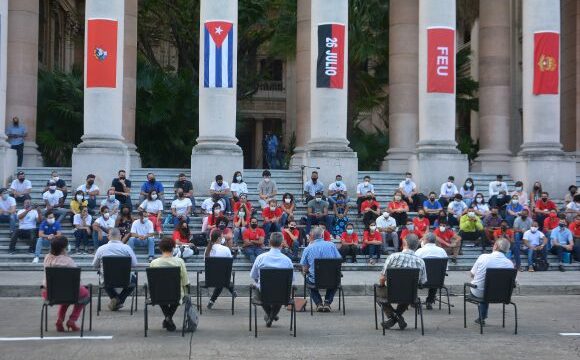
(270, 310)
(431, 296)
(218, 291)
(28, 235)
(19, 152)
(348, 250)
(169, 310)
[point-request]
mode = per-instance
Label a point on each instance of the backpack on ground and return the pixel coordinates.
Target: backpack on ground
(540, 264)
(191, 316)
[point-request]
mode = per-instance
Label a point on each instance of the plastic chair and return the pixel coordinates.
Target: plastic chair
(117, 274)
(328, 276)
(218, 273)
(436, 269)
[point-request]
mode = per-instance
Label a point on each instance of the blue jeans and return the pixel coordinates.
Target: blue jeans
(91, 203)
(374, 250)
(516, 249)
(238, 233)
(81, 236)
(292, 252)
(40, 243)
(179, 217)
(484, 308)
(149, 243)
(283, 219)
(9, 218)
(313, 220)
(270, 227)
(543, 252)
(96, 242)
(317, 298)
(252, 252)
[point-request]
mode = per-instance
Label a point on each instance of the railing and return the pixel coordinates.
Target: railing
(271, 86)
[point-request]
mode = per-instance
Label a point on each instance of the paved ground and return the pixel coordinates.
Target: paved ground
(325, 336)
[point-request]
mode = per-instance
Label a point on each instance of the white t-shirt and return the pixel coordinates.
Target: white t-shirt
(239, 188)
(52, 198)
(142, 229)
(152, 206)
(112, 205)
(21, 186)
(534, 239)
(77, 220)
(340, 187)
(218, 250)
(495, 188)
(207, 205)
(84, 189)
(430, 250)
(181, 205)
(495, 260)
(573, 206)
(215, 187)
(407, 187)
(106, 224)
(448, 191)
(5, 205)
(29, 221)
(363, 189)
(383, 223)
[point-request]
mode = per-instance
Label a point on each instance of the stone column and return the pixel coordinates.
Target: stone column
(568, 76)
(130, 81)
(102, 151)
(302, 71)
(22, 73)
(258, 142)
(474, 71)
(541, 157)
(437, 156)
(7, 155)
(494, 87)
(403, 84)
(216, 151)
(328, 147)
(577, 63)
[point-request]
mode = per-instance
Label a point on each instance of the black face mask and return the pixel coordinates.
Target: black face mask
(504, 228)
(253, 226)
(545, 199)
(220, 183)
(314, 180)
(421, 216)
(180, 195)
(524, 217)
(493, 214)
(122, 177)
(15, 123)
(90, 182)
(21, 180)
(222, 227)
(432, 199)
(152, 181)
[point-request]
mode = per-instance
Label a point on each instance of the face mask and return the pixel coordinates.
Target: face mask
(154, 196)
(272, 208)
(471, 214)
(253, 226)
(562, 226)
(397, 198)
(122, 177)
(407, 180)
(106, 215)
(52, 189)
(15, 123)
(449, 184)
(432, 199)
(552, 215)
(410, 227)
(125, 212)
(238, 178)
(152, 181)
(291, 227)
(4, 196)
(500, 196)
(468, 184)
(220, 183)
(366, 183)
(337, 183)
(533, 229)
(216, 212)
(386, 215)
(421, 216)
(111, 197)
(266, 179)
(21, 180)
(287, 200)
(222, 227)
(524, 217)
(479, 200)
(442, 228)
(457, 201)
(494, 214)
(372, 228)
(318, 199)
(142, 220)
(180, 195)
(545, 199)
(515, 201)
(79, 197)
(518, 188)
(503, 227)
(314, 180)
(349, 231)
(50, 221)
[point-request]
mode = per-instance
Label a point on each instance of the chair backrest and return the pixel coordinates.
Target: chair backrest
(499, 285)
(62, 285)
(218, 271)
(402, 285)
(117, 271)
(164, 285)
(327, 273)
(276, 286)
(436, 269)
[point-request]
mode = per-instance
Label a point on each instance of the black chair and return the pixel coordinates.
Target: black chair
(402, 284)
(163, 288)
(218, 273)
(116, 273)
(62, 288)
(275, 289)
(328, 276)
(499, 286)
(436, 269)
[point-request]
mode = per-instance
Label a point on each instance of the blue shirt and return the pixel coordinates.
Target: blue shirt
(147, 187)
(49, 229)
(319, 249)
(432, 206)
(19, 131)
(271, 259)
(312, 188)
(561, 236)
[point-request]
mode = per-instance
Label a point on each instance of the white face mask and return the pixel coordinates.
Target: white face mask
(79, 197)
(154, 196)
(55, 178)
(272, 208)
(50, 221)
(408, 180)
(397, 198)
(468, 184)
(318, 199)
(238, 178)
(216, 212)
(479, 200)
(442, 228)
(287, 200)
(106, 215)
(372, 228)
(52, 187)
(366, 183)
(518, 188)
(386, 215)
(111, 197)
(457, 201)
(533, 229)
(515, 201)
(471, 214)
(410, 227)
(267, 179)
(449, 183)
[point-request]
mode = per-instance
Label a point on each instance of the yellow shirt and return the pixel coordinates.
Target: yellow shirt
(75, 206)
(170, 261)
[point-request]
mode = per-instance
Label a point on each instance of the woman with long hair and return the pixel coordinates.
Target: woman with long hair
(154, 209)
(124, 222)
(216, 249)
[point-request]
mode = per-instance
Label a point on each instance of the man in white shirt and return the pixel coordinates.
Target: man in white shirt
(409, 190)
(221, 189)
(495, 187)
(535, 241)
(112, 203)
(54, 200)
(7, 209)
(387, 226)
(496, 260)
(207, 204)
(448, 191)
(21, 187)
(101, 228)
(28, 218)
(336, 188)
(181, 207)
(429, 249)
(114, 247)
(455, 210)
(91, 190)
(142, 235)
(362, 190)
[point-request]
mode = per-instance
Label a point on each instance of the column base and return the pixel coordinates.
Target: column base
(431, 169)
(135, 158)
(495, 163)
(555, 172)
(397, 160)
(8, 162)
(31, 156)
(332, 163)
(577, 156)
(297, 159)
(103, 159)
(209, 161)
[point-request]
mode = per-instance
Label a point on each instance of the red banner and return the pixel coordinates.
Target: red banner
(441, 60)
(102, 53)
(546, 62)
(330, 63)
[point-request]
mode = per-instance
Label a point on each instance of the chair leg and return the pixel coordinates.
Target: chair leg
(480, 319)
(382, 319)
(375, 305)
(90, 312)
(291, 318)
(83, 322)
(448, 301)
(464, 312)
(132, 301)
(46, 319)
(503, 316)
(184, 317)
(311, 309)
(339, 298)
(145, 319)
(250, 307)
(42, 321)
(99, 302)
(136, 291)
(516, 317)
(416, 311)
(421, 314)
(255, 321)
(343, 302)
(232, 304)
(294, 311)
(439, 298)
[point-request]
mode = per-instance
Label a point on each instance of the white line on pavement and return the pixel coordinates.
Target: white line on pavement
(570, 334)
(49, 338)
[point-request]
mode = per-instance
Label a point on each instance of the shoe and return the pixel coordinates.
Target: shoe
(389, 323)
(478, 321)
(164, 324)
(531, 269)
(319, 308)
(59, 326)
(372, 262)
(326, 308)
(170, 325)
(210, 304)
(35, 260)
(561, 268)
(235, 294)
(402, 322)
(72, 326)
(120, 306)
(31, 251)
(113, 304)
(354, 260)
(268, 320)
(150, 258)
(521, 269)
(276, 318)
(429, 306)
(454, 261)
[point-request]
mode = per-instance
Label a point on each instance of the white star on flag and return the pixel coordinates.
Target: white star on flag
(218, 30)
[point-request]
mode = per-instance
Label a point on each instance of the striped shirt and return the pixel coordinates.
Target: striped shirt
(406, 259)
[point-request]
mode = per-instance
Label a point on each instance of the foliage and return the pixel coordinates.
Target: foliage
(466, 94)
(370, 147)
(290, 151)
(468, 146)
(59, 115)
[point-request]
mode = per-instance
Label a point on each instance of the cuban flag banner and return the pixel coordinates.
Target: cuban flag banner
(101, 53)
(218, 54)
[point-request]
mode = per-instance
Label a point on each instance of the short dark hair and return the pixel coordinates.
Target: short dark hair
(166, 244)
(452, 178)
(58, 244)
(458, 196)
(315, 172)
(218, 177)
(500, 177)
(266, 173)
(91, 176)
(433, 192)
(253, 218)
(367, 177)
(120, 171)
(519, 183)
(48, 213)
(408, 173)
(572, 186)
(141, 213)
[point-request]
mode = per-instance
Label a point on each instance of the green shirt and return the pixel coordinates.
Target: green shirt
(170, 261)
(466, 225)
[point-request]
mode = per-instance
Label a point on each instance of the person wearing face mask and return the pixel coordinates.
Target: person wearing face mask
(242, 215)
(569, 196)
(122, 187)
(153, 207)
(215, 248)
(522, 194)
(317, 213)
(16, 134)
(370, 209)
(387, 226)
(575, 229)
(408, 230)
(150, 185)
(468, 191)
(362, 191)
(550, 223)
(340, 210)
(336, 188)
(536, 242)
(253, 239)
(504, 232)
(187, 187)
(513, 209)
(210, 222)
(349, 243)
(455, 210)
(522, 224)
(238, 186)
(271, 219)
(267, 189)
(471, 228)
(535, 194)
(408, 190)
(495, 188)
(91, 191)
(221, 225)
(398, 208)
(221, 189)
(28, 218)
(180, 207)
(181, 234)
(491, 222)
(101, 228)
(480, 207)
(432, 206)
(562, 242)
(7, 209)
(573, 208)
(60, 183)
(49, 228)
(448, 240)
(543, 207)
(288, 207)
(448, 191)
(291, 243)
(312, 187)
(54, 201)
(82, 224)
(421, 223)
(21, 187)
(142, 235)
(124, 222)
(112, 203)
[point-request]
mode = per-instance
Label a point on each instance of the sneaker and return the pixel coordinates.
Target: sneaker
(429, 306)
(561, 268)
(531, 269)
(164, 324)
(210, 304)
(319, 308)
(268, 320)
(326, 308)
(402, 322)
(35, 260)
(478, 321)
(372, 262)
(389, 323)
(170, 325)
(113, 304)
(454, 261)
(276, 318)
(150, 258)
(235, 294)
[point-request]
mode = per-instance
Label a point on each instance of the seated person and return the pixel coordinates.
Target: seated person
(503, 232)
(542, 208)
(312, 187)
(101, 228)
(372, 243)
(124, 222)
(288, 206)
(387, 226)
(405, 259)
(54, 201)
(266, 189)
(167, 259)
(216, 209)
(448, 191)
(318, 249)
(408, 190)
(181, 234)
(7, 209)
(441, 219)
(242, 216)
(468, 192)
(122, 187)
(77, 203)
(187, 187)
(253, 239)
(491, 222)
(575, 228)
(326, 236)
(496, 188)
(238, 186)
(480, 208)
(60, 183)
(349, 243)
(551, 222)
(221, 225)
(114, 247)
(291, 242)
(340, 210)
(455, 210)
(522, 224)
(112, 203)
(448, 240)
(501, 201)
(20, 188)
(335, 189)
(317, 213)
(430, 250)
(536, 242)
(409, 229)
(398, 208)
(142, 234)
(470, 227)
(153, 207)
(82, 224)
(513, 209)
(573, 209)
(271, 216)
(362, 191)
(221, 190)
(432, 206)
(181, 207)
(215, 248)
(522, 194)
(150, 185)
(421, 223)
(91, 191)
(562, 241)
(370, 208)
(48, 230)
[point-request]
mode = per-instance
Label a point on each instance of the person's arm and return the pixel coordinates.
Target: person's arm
(324, 210)
(97, 259)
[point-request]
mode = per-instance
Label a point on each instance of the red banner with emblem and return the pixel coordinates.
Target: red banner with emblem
(441, 60)
(102, 53)
(546, 62)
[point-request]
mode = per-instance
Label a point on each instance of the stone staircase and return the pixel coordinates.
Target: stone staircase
(287, 181)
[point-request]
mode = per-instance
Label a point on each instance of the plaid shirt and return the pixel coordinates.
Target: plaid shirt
(406, 259)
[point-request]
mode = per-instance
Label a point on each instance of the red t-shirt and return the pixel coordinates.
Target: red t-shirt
(446, 235)
(550, 223)
(287, 237)
(237, 206)
(509, 232)
(405, 232)
(349, 239)
(548, 205)
(575, 228)
(398, 205)
(421, 225)
(269, 214)
(327, 236)
(177, 236)
(253, 234)
(376, 236)
(212, 218)
(367, 204)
